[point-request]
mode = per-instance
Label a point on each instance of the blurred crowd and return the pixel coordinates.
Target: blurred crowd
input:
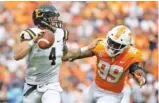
(85, 21)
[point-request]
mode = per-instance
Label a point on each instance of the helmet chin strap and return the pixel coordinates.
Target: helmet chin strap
(110, 54)
(53, 29)
(118, 53)
(113, 55)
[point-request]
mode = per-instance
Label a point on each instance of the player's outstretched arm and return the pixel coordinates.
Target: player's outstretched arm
(137, 71)
(78, 54)
(22, 49)
(81, 53)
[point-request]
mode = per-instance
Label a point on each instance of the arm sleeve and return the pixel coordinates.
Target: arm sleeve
(134, 67)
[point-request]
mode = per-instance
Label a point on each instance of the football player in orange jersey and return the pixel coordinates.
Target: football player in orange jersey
(116, 58)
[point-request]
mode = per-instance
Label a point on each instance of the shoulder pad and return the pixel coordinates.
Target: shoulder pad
(134, 52)
(29, 33)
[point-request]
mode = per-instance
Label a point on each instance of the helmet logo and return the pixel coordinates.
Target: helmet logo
(38, 13)
(120, 32)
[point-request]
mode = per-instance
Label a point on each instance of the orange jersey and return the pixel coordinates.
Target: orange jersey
(111, 72)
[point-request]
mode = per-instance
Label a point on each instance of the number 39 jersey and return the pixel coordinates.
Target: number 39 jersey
(111, 72)
(43, 64)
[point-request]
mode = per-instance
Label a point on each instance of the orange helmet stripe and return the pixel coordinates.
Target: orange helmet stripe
(120, 31)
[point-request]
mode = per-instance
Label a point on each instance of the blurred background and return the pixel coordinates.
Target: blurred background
(85, 22)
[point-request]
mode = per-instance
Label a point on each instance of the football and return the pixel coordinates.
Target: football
(47, 40)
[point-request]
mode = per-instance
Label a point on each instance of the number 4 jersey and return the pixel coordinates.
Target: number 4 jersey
(43, 64)
(111, 72)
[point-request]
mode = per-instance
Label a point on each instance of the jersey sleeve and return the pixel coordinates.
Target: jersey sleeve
(136, 56)
(27, 34)
(24, 36)
(95, 50)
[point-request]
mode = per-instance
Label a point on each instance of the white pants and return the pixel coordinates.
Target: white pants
(98, 95)
(127, 94)
(49, 93)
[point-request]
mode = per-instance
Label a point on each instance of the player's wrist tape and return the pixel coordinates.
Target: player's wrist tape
(84, 49)
(31, 43)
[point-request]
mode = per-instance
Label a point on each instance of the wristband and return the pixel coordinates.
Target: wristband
(31, 43)
(84, 49)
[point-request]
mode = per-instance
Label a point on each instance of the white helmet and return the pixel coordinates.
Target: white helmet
(117, 40)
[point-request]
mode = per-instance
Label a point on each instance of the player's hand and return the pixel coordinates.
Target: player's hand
(70, 59)
(72, 56)
(94, 43)
(140, 79)
(38, 36)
